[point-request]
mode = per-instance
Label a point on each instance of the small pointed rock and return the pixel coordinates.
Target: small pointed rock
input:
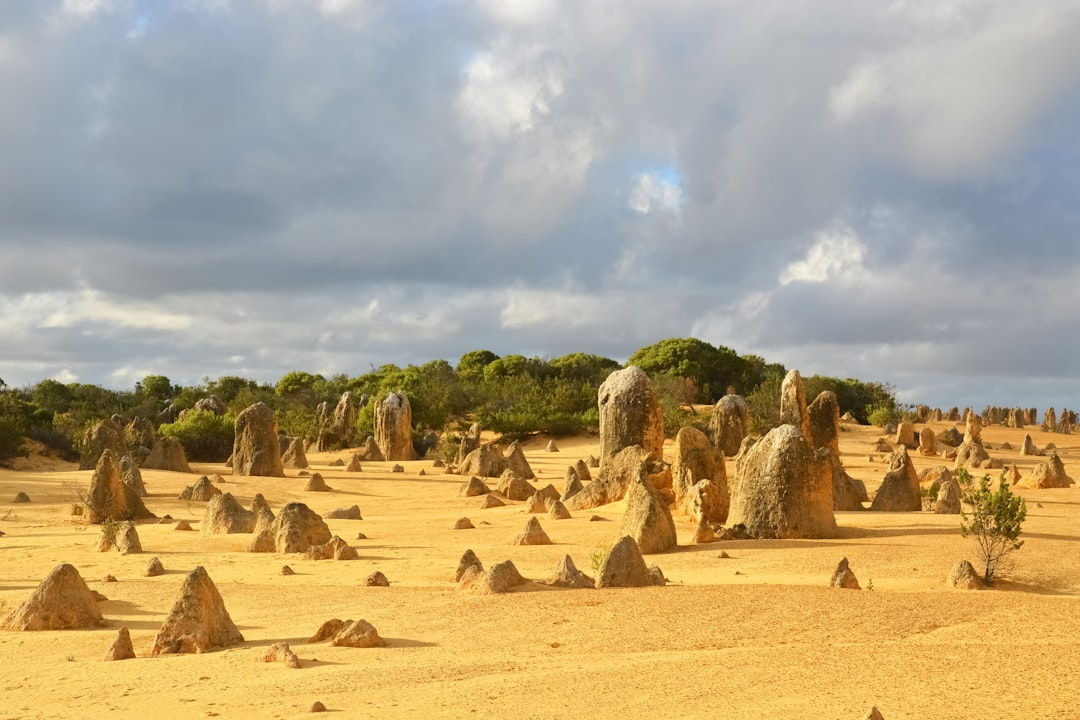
(376, 579)
(843, 577)
(121, 649)
(558, 511)
(154, 568)
(282, 653)
(490, 501)
(532, 534)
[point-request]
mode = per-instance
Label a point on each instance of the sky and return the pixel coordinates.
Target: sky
(881, 190)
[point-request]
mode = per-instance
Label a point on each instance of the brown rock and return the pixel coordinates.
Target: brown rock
(359, 634)
(899, 491)
(849, 493)
(121, 648)
(468, 560)
(1049, 474)
(295, 457)
(615, 477)
(501, 578)
(793, 410)
(21, 497)
(474, 488)
(198, 621)
(286, 570)
(154, 568)
(514, 460)
(469, 443)
(824, 415)
(485, 461)
(558, 511)
(130, 474)
(296, 529)
(316, 483)
(905, 435)
(203, 490)
(109, 497)
(256, 450)
(463, 524)
(376, 579)
(927, 442)
(225, 515)
(962, 576)
(514, 487)
(532, 534)
(490, 501)
(393, 427)
(168, 454)
(706, 503)
(843, 577)
(567, 575)
(647, 518)
(183, 525)
(572, 485)
(704, 533)
(695, 459)
(317, 707)
(947, 501)
(329, 629)
(105, 435)
(971, 454)
(729, 424)
(127, 539)
(354, 464)
(333, 549)
(783, 488)
(62, 601)
(350, 513)
(282, 653)
(536, 504)
(624, 566)
(630, 413)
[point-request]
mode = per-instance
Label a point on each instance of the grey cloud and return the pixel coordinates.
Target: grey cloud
(198, 159)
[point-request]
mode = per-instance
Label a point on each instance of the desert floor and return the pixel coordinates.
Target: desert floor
(759, 634)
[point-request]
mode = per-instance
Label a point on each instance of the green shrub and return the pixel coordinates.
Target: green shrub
(11, 440)
(995, 519)
(206, 437)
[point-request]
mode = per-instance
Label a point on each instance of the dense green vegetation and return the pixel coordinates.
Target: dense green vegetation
(512, 395)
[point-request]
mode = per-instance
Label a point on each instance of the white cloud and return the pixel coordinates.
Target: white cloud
(65, 376)
(523, 308)
(836, 255)
(509, 90)
(651, 193)
(519, 12)
(862, 93)
(92, 306)
(83, 8)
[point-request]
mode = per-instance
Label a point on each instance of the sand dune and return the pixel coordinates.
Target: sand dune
(755, 635)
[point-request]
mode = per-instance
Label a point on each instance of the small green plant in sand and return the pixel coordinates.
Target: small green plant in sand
(994, 518)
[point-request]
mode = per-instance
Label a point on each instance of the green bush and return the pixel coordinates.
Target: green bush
(995, 519)
(11, 440)
(206, 437)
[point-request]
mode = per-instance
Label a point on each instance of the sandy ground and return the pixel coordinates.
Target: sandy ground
(755, 635)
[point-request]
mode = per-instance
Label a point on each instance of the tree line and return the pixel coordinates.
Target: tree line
(511, 394)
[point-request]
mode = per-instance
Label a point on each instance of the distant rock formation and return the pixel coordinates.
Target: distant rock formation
(256, 450)
(630, 413)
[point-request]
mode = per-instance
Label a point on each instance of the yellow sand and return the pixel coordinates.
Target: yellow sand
(756, 635)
